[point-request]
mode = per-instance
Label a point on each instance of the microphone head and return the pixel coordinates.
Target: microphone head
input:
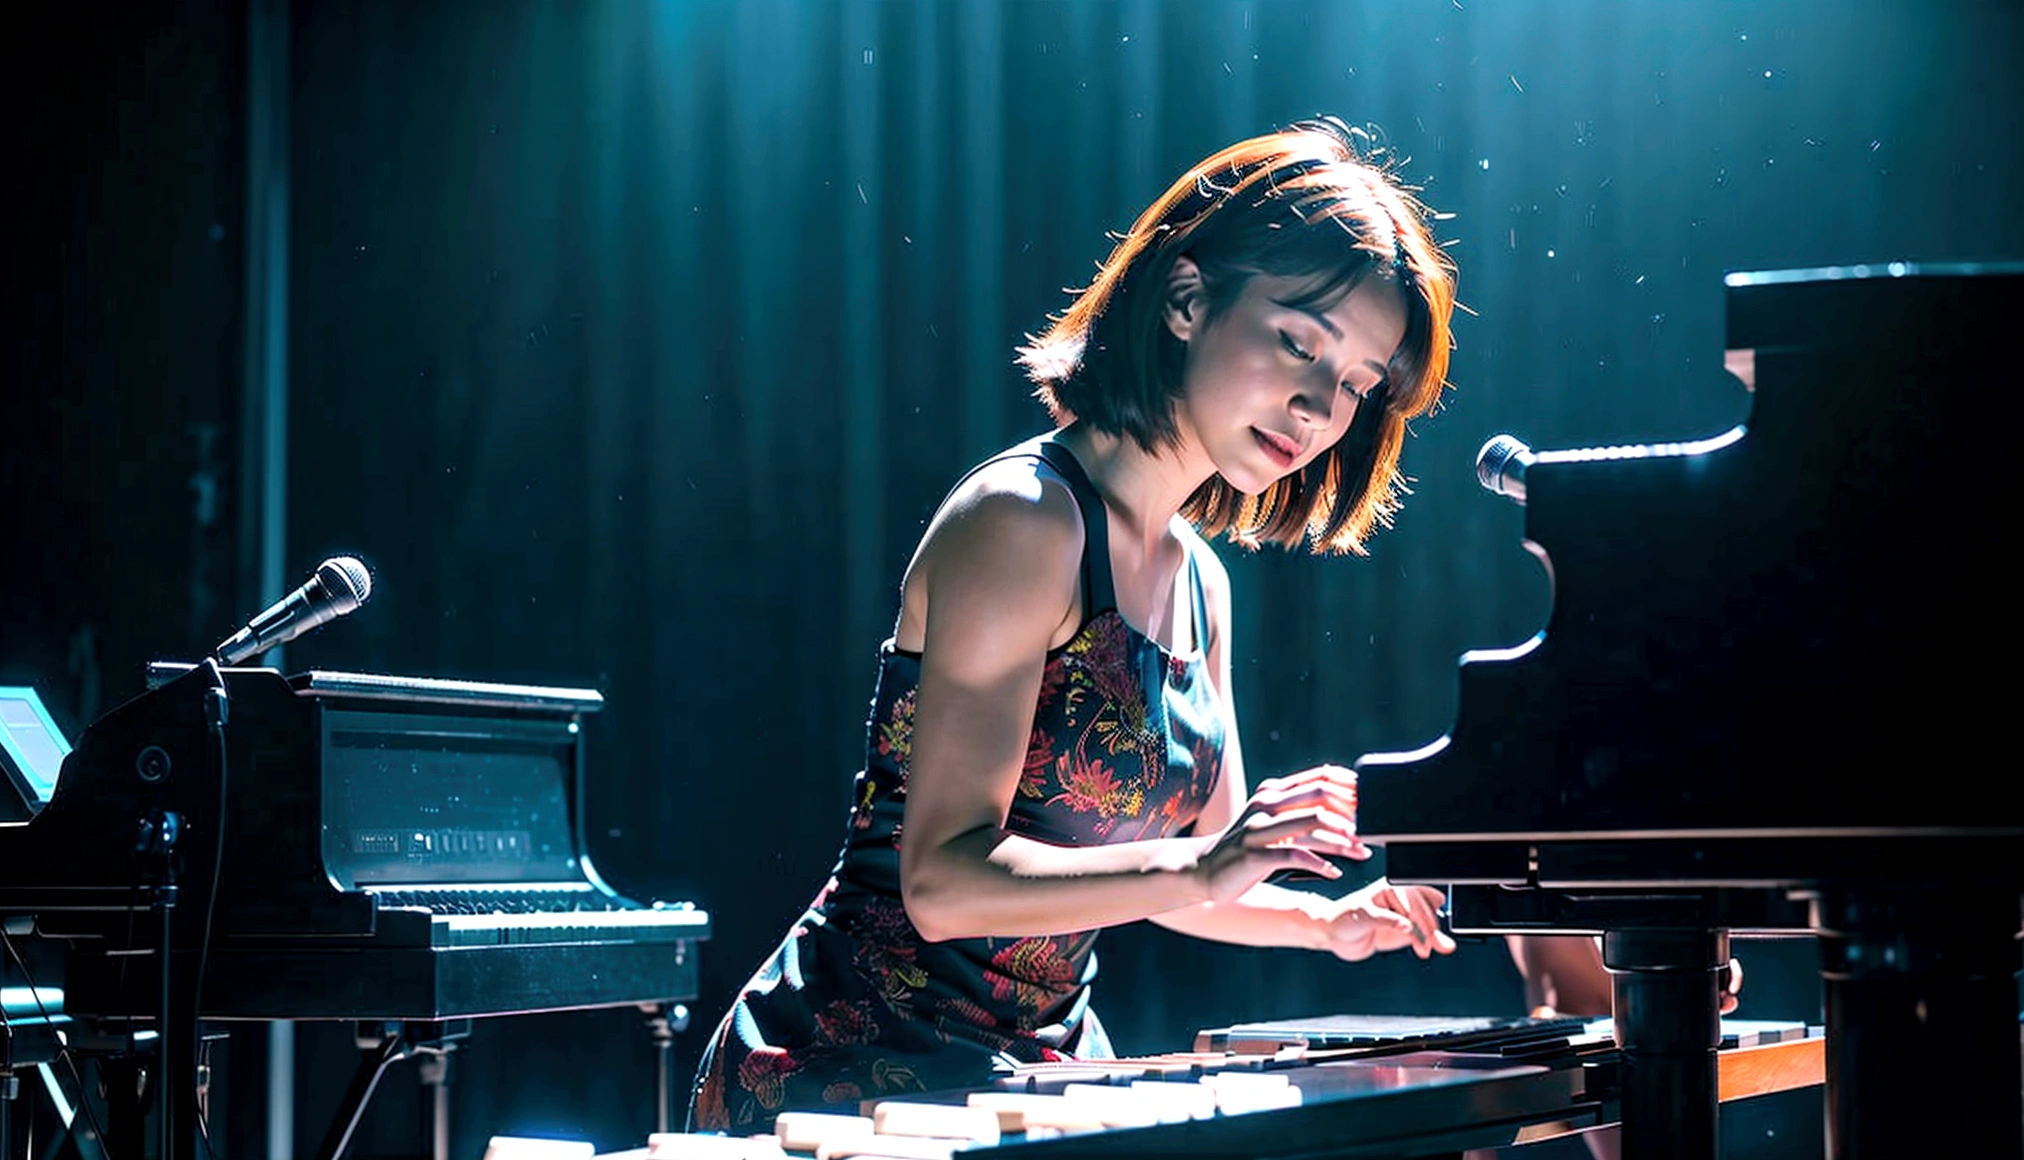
(1500, 466)
(347, 581)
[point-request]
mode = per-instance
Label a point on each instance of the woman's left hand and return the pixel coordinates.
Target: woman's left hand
(1731, 980)
(1383, 917)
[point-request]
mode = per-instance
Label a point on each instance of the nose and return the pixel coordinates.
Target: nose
(1315, 406)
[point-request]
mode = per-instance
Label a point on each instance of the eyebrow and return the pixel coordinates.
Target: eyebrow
(1334, 332)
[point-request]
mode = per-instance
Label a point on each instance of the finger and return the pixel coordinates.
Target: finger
(1317, 817)
(1415, 902)
(1334, 779)
(1302, 833)
(1336, 773)
(1390, 928)
(1280, 858)
(1275, 797)
(1427, 904)
(1442, 943)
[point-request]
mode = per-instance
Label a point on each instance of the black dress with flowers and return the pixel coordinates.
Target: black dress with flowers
(1127, 745)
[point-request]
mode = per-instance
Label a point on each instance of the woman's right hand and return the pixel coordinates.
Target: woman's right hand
(1288, 824)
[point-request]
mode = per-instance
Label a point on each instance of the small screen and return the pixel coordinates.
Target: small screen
(34, 748)
(411, 799)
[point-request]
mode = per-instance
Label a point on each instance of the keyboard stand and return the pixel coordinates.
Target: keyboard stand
(664, 1022)
(380, 1046)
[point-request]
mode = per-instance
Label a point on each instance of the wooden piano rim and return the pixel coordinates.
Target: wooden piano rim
(1740, 1073)
(1764, 1068)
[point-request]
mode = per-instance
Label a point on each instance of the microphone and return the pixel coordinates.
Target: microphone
(1501, 464)
(340, 584)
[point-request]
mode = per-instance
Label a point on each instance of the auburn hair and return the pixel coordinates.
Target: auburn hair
(1305, 203)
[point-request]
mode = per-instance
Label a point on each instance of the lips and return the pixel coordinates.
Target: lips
(1280, 449)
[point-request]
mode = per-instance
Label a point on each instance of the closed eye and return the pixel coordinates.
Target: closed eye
(1293, 348)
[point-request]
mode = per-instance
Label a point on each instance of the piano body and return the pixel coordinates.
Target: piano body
(333, 846)
(1764, 701)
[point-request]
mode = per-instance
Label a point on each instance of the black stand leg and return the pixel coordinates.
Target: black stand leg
(377, 1054)
(664, 1022)
(381, 1044)
(10, 1087)
(126, 1080)
(436, 1067)
(170, 1075)
(1666, 993)
(1921, 996)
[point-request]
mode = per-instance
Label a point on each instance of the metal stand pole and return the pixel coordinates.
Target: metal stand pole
(1666, 993)
(436, 1067)
(1921, 998)
(664, 1022)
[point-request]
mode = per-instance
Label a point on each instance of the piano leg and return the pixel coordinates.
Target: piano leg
(664, 1022)
(128, 1086)
(380, 1046)
(435, 1070)
(1921, 1003)
(377, 1054)
(1666, 994)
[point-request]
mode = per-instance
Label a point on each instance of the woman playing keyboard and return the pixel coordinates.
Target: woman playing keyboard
(1051, 749)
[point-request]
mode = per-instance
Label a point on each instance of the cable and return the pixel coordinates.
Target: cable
(12, 1083)
(63, 1053)
(203, 1113)
(217, 710)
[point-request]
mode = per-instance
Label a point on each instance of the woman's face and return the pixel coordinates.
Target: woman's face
(1267, 387)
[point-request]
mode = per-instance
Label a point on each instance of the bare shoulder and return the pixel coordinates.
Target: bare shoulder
(999, 565)
(1006, 510)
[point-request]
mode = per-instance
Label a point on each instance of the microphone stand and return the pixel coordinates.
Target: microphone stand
(159, 830)
(179, 1027)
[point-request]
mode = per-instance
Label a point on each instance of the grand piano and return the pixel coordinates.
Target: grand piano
(1770, 696)
(405, 853)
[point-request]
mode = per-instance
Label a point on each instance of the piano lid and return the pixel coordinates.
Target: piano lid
(1800, 631)
(434, 690)
(376, 686)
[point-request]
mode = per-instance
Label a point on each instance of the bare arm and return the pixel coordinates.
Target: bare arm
(999, 571)
(1564, 975)
(1378, 917)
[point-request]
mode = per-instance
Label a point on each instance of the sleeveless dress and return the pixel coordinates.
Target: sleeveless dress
(1127, 744)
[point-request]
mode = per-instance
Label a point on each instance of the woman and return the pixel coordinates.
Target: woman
(1051, 747)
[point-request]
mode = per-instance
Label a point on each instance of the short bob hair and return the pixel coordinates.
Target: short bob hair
(1300, 203)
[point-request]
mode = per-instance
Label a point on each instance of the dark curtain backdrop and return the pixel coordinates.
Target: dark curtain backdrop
(632, 343)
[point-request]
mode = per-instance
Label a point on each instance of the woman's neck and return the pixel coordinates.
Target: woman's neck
(1143, 490)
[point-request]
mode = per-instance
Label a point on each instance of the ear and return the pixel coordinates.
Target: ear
(1182, 310)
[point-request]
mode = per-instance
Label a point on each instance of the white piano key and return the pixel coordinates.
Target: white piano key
(709, 1146)
(532, 1148)
(808, 1131)
(1027, 1111)
(880, 1147)
(1121, 1107)
(952, 1121)
(1193, 1100)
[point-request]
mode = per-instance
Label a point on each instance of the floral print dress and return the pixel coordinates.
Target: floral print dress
(1127, 745)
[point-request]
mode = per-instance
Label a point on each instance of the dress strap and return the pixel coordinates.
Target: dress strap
(1099, 593)
(1201, 602)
